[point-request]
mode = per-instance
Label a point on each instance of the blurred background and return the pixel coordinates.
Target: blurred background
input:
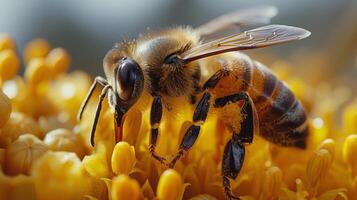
(89, 28)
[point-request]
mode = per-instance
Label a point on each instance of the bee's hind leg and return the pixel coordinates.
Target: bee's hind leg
(232, 163)
(234, 150)
(155, 119)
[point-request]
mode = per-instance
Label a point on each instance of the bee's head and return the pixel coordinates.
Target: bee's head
(128, 83)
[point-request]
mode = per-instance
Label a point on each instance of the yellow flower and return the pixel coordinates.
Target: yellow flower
(37, 48)
(97, 164)
(124, 188)
(350, 118)
(22, 153)
(17, 125)
(170, 185)
(329, 145)
(9, 65)
(65, 140)
(36, 71)
(70, 90)
(58, 60)
(317, 168)
(59, 175)
(5, 109)
(6, 42)
(272, 183)
(17, 187)
(132, 126)
(123, 158)
(349, 151)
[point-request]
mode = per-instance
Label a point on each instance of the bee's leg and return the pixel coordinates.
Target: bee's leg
(155, 119)
(215, 78)
(97, 112)
(232, 163)
(199, 117)
(247, 126)
(234, 150)
(97, 80)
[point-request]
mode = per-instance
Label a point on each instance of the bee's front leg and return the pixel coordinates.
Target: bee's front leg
(97, 80)
(234, 150)
(97, 112)
(199, 117)
(155, 119)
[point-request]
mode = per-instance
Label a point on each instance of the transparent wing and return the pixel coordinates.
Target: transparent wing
(255, 38)
(232, 22)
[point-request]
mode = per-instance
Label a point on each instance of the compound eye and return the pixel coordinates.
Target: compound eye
(129, 76)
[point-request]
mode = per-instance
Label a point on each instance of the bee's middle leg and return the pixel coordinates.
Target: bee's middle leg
(234, 150)
(155, 119)
(199, 117)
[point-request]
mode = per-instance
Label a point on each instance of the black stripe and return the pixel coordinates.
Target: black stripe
(247, 75)
(293, 137)
(282, 102)
(302, 137)
(269, 83)
(289, 129)
(292, 119)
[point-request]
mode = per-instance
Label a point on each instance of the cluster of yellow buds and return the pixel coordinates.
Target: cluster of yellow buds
(45, 152)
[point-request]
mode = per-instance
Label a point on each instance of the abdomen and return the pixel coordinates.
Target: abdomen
(282, 119)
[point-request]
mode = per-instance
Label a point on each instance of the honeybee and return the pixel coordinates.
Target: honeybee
(168, 63)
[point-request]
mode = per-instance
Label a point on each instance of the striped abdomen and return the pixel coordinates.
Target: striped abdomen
(282, 119)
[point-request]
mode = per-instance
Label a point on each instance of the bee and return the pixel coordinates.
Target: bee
(170, 63)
